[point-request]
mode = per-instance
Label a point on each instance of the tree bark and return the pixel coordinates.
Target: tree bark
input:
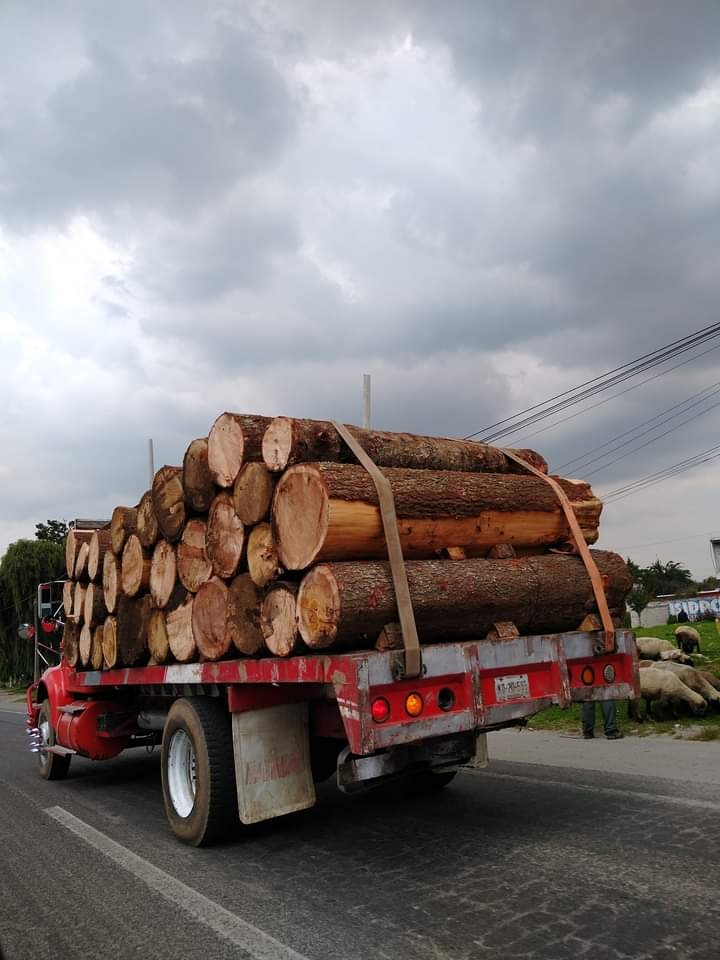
(209, 620)
(234, 439)
(168, 499)
(193, 566)
(112, 585)
(197, 480)
(100, 544)
(133, 621)
(71, 640)
(148, 529)
(225, 536)
(162, 572)
(244, 604)
(109, 644)
(81, 561)
(279, 620)
(289, 441)
(96, 650)
(79, 601)
(178, 623)
(68, 597)
(94, 607)
(75, 539)
(348, 604)
(122, 524)
(327, 511)
(85, 645)
(262, 556)
(252, 494)
(158, 644)
(135, 567)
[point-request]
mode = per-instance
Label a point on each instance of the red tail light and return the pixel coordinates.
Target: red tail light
(380, 709)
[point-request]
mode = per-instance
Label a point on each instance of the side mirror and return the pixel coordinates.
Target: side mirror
(26, 631)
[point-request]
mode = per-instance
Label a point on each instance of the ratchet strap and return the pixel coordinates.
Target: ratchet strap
(608, 646)
(406, 615)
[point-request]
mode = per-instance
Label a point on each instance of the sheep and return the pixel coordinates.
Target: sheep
(692, 678)
(665, 687)
(677, 656)
(651, 647)
(688, 639)
(711, 678)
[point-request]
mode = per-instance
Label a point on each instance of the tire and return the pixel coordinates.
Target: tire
(429, 780)
(198, 771)
(52, 766)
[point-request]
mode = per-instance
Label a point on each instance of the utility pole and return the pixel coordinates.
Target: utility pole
(366, 401)
(151, 457)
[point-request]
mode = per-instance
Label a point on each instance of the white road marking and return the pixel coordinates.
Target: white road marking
(590, 788)
(260, 945)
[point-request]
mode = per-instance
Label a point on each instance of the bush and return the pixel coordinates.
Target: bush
(672, 619)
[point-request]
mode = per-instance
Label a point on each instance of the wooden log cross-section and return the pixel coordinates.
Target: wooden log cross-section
(193, 566)
(163, 568)
(279, 620)
(349, 604)
(262, 556)
(244, 601)
(225, 536)
(168, 499)
(135, 567)
(209, 620)
(234, 439)
(197, 480)
(330, 511)
(112, 584)
(122, 524)
(75, 540)
(252, 493)
(100, 544)
(288, 441)
(148, 528)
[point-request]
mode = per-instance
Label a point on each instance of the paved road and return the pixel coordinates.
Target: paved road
(526, 860)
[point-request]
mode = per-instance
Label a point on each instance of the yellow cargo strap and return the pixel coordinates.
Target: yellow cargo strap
(406, 615)
(608, 645)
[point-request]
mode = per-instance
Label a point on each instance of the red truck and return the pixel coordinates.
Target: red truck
(249, 738)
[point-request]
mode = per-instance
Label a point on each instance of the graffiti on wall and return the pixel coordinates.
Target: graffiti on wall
(695, 607)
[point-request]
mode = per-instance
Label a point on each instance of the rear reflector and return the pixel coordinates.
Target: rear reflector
(414, 704)
(588, 676)
(380, 709)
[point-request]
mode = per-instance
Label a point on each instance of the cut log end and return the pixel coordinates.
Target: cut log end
(209, 620)
(168, 499)
(318, 608)
(122, 524)
(178, 623)
(226, 446)
(112, 587)
(193, 565)
(148, 528)
(301, 515)
(225, 537)
(279, 620)
(197, 479)
(135, 567)
(158, 645)
(109, 643)
(243, 615)
(162, 572)
(262, 557)
(252, 493)
(277, 444)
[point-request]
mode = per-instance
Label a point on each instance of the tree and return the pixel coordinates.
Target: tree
(638, 599)
(660, 578)
(25, 564)
(53, 530)
(709, 583)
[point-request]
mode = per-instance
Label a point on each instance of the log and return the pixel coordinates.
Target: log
(252, 493)
(349, 604)
(96, 650)
(122, 524)
(329, 511)
(287, 441)
(225, 536)
(81, 561)
(197, 480)
(168, 499)
(135, 567)
(178, 623)
(112, 586)
(68, 597)
(262, 555)
(109, 643)
(85, 645)
(75, 540)
(100, 544)
(94, 609)
(234, 439)
(148, 529)
(133, 621)
(193, 566)
(158, 644)
(209, 620)
(279, 620)
(79, 601)
(71, 641)
(244, 604)
(163, 568)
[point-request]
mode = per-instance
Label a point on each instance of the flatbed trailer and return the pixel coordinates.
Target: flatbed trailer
(248, 738)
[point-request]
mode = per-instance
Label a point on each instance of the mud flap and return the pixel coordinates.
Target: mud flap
(272, 762)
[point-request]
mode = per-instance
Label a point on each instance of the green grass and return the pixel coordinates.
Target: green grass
(687, 727)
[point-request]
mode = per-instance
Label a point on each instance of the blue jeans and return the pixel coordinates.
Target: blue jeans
(609, 715)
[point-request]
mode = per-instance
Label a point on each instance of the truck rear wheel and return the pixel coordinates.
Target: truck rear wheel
(198, 771)
(52, 765)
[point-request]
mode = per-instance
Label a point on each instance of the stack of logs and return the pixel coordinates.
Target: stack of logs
(269, 541)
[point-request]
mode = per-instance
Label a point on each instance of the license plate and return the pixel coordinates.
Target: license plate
(515, 687)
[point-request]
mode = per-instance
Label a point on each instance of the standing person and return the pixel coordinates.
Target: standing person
(609, 715)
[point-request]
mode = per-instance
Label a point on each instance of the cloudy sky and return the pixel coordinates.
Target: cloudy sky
(248, 205)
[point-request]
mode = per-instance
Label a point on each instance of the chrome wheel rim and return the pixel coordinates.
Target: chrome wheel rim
(182, 773)
(44, 730)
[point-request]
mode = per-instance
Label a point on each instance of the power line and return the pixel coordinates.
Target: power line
(706, 456)
(596, 385)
